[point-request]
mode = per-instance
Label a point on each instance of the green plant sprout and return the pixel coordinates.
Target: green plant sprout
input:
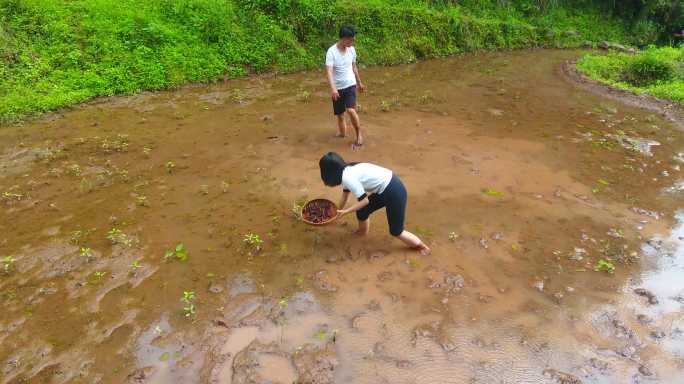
(424, 232)
(297, 206)
(601, 185)
(146, 151)
(141, 200)
(78, 236)
(118, 143)
(97, 277)
(605, 266)
(11, 196)
(321, 335)
(136, 264)
(74, 170)
(116, 236)
(7, 263)
(492, 192)
(170, 166)
(179, 253)
(453, 236)
(413, 263)
(87, 253)
(239, 96)
(304, 96)
(385, 106)
(188, 305)
(253, 240)
(426, 98)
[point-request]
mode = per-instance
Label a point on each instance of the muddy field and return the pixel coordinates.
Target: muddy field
(155, 238)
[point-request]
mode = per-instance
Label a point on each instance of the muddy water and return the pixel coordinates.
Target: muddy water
(520, 181)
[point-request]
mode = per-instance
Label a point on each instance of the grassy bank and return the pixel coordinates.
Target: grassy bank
(54, 53)
(656, 71)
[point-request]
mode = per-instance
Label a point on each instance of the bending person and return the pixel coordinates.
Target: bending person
(374, 187)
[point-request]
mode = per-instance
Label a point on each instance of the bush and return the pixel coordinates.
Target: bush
(54, 53)
(646, 70)
(657, 71)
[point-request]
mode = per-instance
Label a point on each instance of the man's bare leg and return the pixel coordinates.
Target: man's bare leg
(414, 242)
(364, 228)
(341, 126)
(354, 117)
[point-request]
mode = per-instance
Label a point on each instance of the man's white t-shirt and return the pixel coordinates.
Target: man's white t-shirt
(365, 178)
(341, 63)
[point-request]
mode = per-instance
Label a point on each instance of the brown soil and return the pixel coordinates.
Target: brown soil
(521, 183)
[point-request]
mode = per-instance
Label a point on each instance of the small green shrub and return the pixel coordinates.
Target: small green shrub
(657, 71)
(644, 70)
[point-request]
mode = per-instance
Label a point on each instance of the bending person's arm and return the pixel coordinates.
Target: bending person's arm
(355, 207)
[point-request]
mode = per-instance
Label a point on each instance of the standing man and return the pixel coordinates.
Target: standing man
(343, 78)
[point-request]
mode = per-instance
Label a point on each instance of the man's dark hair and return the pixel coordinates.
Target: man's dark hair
(332, 165)
(347, 31)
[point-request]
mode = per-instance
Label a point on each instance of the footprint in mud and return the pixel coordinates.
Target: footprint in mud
(321, 280)
(561, 377)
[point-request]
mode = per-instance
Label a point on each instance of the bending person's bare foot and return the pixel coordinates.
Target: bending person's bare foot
(358, 144)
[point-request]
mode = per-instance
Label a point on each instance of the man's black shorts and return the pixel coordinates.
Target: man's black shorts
(346, 100)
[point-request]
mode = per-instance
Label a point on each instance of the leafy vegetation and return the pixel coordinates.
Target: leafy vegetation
(116, 236)
(7, 263)
(188, 301)
(179, 252)
(656, 71)
(605, 266)
(253, 240)
(492, 192)
(55, 53)
(87, 253)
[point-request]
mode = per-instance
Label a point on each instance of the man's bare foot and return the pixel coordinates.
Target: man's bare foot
(356, 147)
(360, 233)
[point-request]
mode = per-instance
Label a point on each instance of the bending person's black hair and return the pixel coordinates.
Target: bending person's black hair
(332, 165)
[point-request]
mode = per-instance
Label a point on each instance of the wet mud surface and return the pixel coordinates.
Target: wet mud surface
(156, 238)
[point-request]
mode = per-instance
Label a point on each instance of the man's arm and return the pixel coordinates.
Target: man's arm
(331, 83)
(355, 68)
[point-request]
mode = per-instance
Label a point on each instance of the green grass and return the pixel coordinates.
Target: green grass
(655, 71)
(54, 53)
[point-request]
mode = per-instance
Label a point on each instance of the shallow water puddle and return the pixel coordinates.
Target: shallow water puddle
(154, 238)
